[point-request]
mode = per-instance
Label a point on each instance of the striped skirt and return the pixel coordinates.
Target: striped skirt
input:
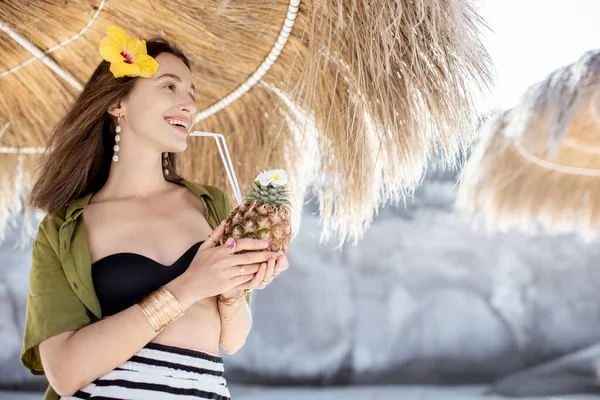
(161, 372)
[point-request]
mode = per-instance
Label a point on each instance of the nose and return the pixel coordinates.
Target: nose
(187, 106)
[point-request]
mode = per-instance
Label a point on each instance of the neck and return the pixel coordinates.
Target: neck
(137, 175)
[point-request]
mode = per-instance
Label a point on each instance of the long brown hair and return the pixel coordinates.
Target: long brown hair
(79, 152)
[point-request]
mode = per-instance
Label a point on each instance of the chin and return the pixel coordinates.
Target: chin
(176, 147)
(176, 150)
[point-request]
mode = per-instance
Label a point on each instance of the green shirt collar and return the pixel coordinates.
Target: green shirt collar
(77, 206)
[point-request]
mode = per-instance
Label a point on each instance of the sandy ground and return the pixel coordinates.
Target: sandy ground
(351, 393)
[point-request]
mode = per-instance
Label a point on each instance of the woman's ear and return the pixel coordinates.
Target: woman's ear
(116, 108)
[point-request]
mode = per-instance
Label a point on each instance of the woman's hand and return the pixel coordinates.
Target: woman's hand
(215, 270)
(267, 271)
(272, 269)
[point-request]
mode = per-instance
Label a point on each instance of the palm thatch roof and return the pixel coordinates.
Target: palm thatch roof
(349, 97)
(537, 166)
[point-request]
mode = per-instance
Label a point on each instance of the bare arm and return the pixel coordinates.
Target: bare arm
(74, 359)
(236, 322)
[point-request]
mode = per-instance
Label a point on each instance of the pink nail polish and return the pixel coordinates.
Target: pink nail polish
(230, 243)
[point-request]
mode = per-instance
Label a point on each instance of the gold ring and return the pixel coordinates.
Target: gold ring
(210, 237)
(242, 270)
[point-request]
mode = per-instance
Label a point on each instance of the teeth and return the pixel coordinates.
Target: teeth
(176, 122)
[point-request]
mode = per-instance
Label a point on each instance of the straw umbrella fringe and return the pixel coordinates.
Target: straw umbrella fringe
(352, 108)
(537, 166)
(15, 187)
(392, 79)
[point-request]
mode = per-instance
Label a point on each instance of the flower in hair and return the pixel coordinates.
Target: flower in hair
(127, 56)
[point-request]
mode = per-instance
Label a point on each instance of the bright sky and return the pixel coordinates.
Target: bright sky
(531, 38)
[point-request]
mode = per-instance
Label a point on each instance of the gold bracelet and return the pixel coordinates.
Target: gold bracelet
(161, 308)
(230, 301)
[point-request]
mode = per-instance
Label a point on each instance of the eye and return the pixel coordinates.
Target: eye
(170, 85)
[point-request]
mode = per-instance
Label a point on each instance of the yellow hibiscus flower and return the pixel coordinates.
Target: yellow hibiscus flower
(127, 56)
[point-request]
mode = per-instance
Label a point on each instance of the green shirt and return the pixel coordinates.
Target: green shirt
(61, 292)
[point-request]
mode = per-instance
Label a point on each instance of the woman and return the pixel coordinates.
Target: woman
(125, 301)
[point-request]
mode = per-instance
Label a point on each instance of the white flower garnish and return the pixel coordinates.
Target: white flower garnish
(276, 177)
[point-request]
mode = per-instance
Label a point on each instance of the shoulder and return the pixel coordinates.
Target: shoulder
(200, 189)
(217, 193)
(49, 228)
(219, 197)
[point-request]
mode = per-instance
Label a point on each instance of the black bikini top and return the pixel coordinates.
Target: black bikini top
(123, 279)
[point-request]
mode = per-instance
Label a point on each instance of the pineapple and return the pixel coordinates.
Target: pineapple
(264, 213)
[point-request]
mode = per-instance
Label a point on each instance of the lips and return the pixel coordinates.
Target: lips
(179, 128)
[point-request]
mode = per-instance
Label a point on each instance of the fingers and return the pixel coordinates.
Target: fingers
(268, 273)
(255, 257)
(259, 277)
(281, 265)
(244, 270)
(215, 235)
(263, 276)
(241, 282)
(246, 281)
(247, 244)
(265, 273)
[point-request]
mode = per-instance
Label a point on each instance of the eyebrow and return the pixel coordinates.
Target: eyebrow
(178, 79)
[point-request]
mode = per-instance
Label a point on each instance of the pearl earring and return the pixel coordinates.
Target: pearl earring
(116, 148)
(165, 163)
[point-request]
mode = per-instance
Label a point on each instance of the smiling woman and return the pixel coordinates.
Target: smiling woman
(131, 294)
(165, 97)
(82, 142)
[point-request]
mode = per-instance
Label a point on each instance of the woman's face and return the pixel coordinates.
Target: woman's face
(153, 103)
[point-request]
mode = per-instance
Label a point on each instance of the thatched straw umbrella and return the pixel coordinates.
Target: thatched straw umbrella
(349, 97)
(538, 164)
